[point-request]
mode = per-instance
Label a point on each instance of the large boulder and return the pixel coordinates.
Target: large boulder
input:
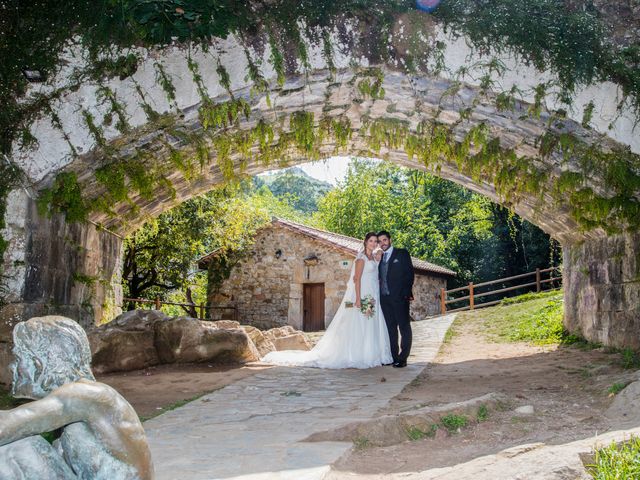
(127, 342)
(137, 320)
(287, 338)
(185, 340)
(114, 349)
(262, 343)
(225, 323)
(625, 408)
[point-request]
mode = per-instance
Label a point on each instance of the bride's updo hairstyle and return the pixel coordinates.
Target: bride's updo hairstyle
(366, 239)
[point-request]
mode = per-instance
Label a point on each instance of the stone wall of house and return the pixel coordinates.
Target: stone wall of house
(268, 291)
(426, 296)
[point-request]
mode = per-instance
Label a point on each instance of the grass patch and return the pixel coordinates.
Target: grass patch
(526, 297)
(8, 402)
(630, 359)
(360, 443)
(617, 461)
(503, 405)
(453, 422)
(414, 433)
(581, 343)
(616, 388)
(452, 331)
(173, 406)
(482, 414)
(535, 318)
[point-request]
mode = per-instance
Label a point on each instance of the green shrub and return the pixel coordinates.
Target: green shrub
(483, 413)
(630, 358)
(453, 422)
(617, 461)
(617, 388)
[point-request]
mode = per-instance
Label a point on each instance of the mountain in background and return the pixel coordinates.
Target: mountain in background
(296, 187)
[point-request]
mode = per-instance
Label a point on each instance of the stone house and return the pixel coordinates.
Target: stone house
(296, 275)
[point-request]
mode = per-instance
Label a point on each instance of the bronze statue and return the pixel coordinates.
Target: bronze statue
(102, 436)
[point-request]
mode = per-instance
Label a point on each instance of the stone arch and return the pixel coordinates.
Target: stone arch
(109, 154)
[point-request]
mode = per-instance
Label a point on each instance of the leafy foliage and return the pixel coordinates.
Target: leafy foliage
(296, 188)
(159, 257)
(436, 220)
(570, 42)
(453, 422)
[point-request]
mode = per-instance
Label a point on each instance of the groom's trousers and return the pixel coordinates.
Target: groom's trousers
(396, 315)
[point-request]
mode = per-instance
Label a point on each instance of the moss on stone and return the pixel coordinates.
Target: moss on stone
(64, 196)
(221, 115)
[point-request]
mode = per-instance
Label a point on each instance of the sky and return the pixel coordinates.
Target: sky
(330, 170)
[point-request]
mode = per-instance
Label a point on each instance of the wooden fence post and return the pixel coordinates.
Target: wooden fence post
(158, 304)
(538, 285)
(202, 311)
(443, 306)
(471, 295)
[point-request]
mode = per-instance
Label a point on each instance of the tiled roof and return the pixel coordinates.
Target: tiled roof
(352, 245)
(342, 242)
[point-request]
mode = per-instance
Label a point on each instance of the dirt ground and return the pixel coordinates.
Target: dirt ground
(153, 389)
(566, 386)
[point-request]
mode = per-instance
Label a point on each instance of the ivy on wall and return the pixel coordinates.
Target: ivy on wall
(10, 177)
(569, 42)
(551, 35)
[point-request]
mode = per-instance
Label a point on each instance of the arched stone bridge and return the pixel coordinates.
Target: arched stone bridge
(110, 154)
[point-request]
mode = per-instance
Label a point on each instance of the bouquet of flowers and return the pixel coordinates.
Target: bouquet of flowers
(367, 306)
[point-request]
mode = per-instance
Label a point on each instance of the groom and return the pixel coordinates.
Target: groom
(396, 283)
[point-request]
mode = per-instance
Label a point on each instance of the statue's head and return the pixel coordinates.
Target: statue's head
(49, 352)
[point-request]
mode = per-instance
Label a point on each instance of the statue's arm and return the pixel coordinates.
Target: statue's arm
(34, 418)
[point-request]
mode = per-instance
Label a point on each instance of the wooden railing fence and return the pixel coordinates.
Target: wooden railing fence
(473, 295)
(201, 309)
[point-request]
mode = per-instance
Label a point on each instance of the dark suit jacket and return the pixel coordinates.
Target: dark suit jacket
(399, 274)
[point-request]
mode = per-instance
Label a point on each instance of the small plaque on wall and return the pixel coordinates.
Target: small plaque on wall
(344, 263)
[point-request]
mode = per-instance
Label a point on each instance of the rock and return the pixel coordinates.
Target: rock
(296, 341)
(117, 350)
(188, 340)
(262, 343)
(280, 331)
(225, 323)
(137, 320)
(127, 342)
(386, 430)
(525, 410)
(625, 408)
(287, 338)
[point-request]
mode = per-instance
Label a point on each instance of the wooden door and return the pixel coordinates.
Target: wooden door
(313, 307)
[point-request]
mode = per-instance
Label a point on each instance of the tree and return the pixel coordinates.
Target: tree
(160, 257)
(298, 189)
(436, 220)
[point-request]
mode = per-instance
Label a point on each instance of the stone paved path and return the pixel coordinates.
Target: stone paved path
(253, 429)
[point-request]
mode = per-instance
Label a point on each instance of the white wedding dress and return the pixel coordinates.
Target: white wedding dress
(352, 340)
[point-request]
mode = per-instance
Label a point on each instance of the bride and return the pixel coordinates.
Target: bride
(353, 339)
